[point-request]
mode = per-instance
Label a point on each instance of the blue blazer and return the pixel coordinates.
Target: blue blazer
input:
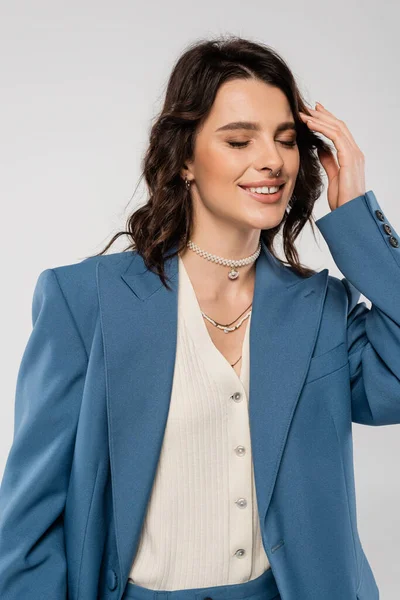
(92, 401)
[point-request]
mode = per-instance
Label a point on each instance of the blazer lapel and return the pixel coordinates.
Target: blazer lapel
(139, 326)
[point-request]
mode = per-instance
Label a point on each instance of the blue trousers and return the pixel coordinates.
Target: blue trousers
(262, 588)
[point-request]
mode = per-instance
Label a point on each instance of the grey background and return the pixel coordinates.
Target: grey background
(79, 85)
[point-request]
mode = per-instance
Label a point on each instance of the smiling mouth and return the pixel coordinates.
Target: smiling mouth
(248, 188)
(265, 198)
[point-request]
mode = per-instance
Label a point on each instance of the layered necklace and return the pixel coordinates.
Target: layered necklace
(232, 275)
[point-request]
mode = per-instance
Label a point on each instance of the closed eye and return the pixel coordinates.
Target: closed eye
(244, 144)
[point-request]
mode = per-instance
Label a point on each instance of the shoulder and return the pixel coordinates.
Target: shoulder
(79, 278)
(87, 266)
(341, 288)
(340, 299)
(82, 274)
(341, 295)
(78, 284)
(335, 286)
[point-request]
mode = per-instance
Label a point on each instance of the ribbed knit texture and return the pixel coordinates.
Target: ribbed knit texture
(193, 526)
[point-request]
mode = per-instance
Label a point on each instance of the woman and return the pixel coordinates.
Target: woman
(132, 472)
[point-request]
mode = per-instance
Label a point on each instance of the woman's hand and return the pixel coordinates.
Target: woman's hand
(346, 180)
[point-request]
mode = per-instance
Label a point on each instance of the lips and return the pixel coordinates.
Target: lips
(263, 182)
(247, 187)
(265, 198)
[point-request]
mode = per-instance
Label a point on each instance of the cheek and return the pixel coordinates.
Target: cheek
(218, 165)
(294, 161)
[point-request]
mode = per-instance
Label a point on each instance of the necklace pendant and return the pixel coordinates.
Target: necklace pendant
(233, 274)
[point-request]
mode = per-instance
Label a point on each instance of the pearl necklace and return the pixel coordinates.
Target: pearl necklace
(233, 273)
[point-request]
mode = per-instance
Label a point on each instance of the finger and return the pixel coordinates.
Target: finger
(329, 163)
(331, 122)
(335, 134)
(323, 113)
(332, 118)
(319, 124)
(323, 109)
(317, 114)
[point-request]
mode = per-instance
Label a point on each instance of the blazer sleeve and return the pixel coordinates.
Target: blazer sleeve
(366, 249)
(34, 485)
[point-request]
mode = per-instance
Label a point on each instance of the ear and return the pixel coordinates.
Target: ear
(187, 170)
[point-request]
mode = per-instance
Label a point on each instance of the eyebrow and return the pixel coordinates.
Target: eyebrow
(252, 126)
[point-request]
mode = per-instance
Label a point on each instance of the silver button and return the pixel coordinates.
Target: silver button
(239, 553)
(240, 450)
(237, 396)
(241, 502)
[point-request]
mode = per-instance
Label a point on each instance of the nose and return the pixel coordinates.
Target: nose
(270, 159)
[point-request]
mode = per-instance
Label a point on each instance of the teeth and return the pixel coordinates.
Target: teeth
(264, 189)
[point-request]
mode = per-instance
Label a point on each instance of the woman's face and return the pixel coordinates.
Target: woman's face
(219, 168)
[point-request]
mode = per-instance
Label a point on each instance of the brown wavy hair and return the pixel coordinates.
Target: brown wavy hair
(164, 222)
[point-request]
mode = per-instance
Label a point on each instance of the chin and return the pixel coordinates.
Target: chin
(273, 219)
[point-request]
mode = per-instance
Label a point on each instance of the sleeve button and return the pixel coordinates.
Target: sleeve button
(394, 241)
(387, 229)
(380, 215)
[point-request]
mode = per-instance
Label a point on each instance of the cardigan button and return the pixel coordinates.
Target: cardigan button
(241, 502)
(240, 450)
(394, 241)
(380, 215)
(387, 229)
(112, 579)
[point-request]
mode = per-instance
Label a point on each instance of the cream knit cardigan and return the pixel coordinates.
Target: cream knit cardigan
(202, 526)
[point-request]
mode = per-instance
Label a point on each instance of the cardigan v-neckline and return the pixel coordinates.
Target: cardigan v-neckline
(208, 351)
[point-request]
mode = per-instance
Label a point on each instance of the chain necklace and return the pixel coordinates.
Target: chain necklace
(226, 328)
